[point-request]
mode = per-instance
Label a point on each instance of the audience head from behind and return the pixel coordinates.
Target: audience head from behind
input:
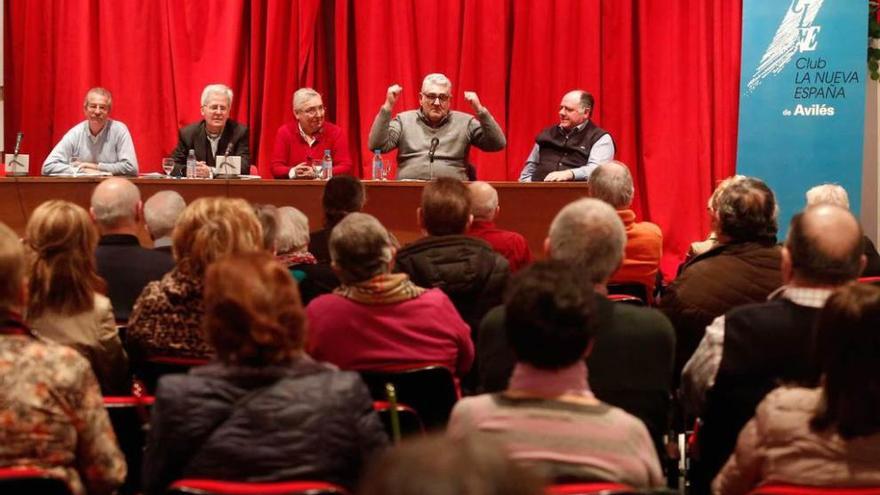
(268, 217)
(292, 235)
(484, 201)
(445, 207)
(253, 314)
(847, 343)
(210, 228)
(116, 206)
(13, 272)
(360, 248)
(161, 212)
(828, 194)
(63, 276)
(824, 247)
(343, 194)
(612, 183)
(440, 465)
(747, 212)
(589, 236)
(550, 316)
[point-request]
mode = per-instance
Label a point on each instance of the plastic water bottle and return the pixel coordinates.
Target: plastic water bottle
(191, 165)
(326, 166)
(378, 167)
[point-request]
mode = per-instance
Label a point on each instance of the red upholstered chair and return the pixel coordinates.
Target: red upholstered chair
(429, 389)
(218, 487)
(635, 289)
(130, 415)
(408, 419)
(154, 367)
(784, 489)
(31, 480)
(592, 488)
(870, 280)
(626, 299)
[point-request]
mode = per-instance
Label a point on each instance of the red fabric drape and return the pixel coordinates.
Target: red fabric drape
(665, 76)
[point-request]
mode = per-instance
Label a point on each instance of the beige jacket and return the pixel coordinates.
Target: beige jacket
(778, 446)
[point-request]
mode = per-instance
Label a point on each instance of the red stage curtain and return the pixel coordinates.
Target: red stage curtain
(665, 76)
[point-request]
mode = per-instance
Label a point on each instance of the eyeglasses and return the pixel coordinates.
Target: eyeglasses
(97, 106)
(432, 97)
(312, 111)
(216, 108)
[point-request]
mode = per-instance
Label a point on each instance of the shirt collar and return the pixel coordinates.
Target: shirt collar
(577, 128)
(310, 140)
(811, 297)
(428, 122)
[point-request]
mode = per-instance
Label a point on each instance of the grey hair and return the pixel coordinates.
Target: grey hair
(293, 230)
(612, 183)
(302, 95)
(216, 88)
(161, 211)
(589, 235)
(828, 194)
(114, 201)
(97, 90)
(438, 79)
(712, 203)
(484, 200)
(586, 100)
(360, 248)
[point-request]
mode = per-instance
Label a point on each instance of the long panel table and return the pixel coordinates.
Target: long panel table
(525, 208)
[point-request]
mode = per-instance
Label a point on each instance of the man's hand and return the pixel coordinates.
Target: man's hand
(86, 167)
(472, 98)
(203, 171)
(560, 176)
(303, 171)
(391, 97)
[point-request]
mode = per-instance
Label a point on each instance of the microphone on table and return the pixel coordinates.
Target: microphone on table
(224, 165)
(434, 143)
(18, 139)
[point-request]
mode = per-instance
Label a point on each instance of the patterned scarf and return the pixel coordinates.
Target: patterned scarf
(387, 288)
(299, 258)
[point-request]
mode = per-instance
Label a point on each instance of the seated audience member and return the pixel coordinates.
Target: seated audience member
(53, 413)
(292, 243)
(66, 303)
(434, 141)
(377, 319)
(302, 141)
(167, 316)
(612, 183)
(836, 195)
(214, 134)
(749, 350)
(267, 215)
(161, 212)
(343, 194)
(571, 149)
(825, 436)
(700, 247)
(465, 268)
(742, 268)
(548, 417)
(265, 411)
(98, 144)
(125, 265)
(484, 208)
(631, 362)
(448, 466)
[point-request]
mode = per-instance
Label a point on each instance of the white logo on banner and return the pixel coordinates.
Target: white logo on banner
(796, 33)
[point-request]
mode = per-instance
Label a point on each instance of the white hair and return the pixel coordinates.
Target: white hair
(612, 183)
(293, 230)
(161, 211)
(99, 91)
(589, 235)
(484, 200)
(303, 95)
(438, 79)
(115, 201)
(828, 194)
(218, 89)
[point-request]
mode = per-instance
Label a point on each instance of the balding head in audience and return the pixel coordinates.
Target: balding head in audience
(13, 295)
(824, 247)
(360, 248)
(612, 183)
(161, 212)
(446, 207)
(116, 206)
(484, 201)
(589, 235)
(747, 212)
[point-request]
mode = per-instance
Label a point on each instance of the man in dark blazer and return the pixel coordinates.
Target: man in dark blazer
(213, 135)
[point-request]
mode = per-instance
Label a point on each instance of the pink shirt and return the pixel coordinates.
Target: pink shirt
(291, 149)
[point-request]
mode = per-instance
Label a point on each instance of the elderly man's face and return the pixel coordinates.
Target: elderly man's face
(97, 110)
(434, 100)
(215, 111)
(571, 114)
(311, 115)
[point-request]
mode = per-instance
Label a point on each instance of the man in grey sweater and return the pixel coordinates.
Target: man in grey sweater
(434, 141)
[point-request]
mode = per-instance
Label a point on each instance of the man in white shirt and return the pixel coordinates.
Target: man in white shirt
(96, 145)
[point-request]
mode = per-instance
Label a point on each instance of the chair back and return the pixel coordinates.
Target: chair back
(408, 420)
(31, 480)
(219, 487)
(626, 299)
(130, 417)
(591, 488)
(785, 489)
(870, 280)
(430, 390)
(154, 367)
(633, 289)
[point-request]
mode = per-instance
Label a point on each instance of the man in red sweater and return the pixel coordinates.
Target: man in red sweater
(484, 208)
(304, 139)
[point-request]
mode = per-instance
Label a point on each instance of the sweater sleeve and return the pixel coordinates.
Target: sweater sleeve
(385, 132)
(485, 133)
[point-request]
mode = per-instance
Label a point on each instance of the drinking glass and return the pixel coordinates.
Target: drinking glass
(316, 167)
(74, 162)
(168, 166)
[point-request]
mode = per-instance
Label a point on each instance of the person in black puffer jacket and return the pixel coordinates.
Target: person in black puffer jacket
(265, 411)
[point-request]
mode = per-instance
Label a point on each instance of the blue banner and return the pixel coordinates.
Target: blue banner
(802, 97)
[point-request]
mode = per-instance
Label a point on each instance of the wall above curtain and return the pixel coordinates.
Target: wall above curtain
(665, 76)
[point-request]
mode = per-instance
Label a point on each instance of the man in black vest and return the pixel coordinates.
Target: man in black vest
(750, 350)
(571, 149)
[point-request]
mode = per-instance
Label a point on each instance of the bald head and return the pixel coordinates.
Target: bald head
(825, 246)
(612, 183)
(161, 211)
(484, 201)
(116, 204)
(588, 235)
